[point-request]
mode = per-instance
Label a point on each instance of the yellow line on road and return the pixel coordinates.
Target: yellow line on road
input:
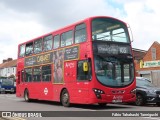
(12, 118)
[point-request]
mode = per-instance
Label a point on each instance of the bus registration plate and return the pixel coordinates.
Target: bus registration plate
(117, 99)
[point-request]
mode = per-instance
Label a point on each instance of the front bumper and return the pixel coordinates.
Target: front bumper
(12, 90)
(127, 98)
(153, 98)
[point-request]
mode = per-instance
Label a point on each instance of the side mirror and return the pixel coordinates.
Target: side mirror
(130, 33)
(85, 66)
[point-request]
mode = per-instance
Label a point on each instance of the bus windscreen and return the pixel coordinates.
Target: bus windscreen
(107, 29)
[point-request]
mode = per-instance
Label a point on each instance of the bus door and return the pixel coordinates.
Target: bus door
(77, 79)
(19, 83)
(83, 78)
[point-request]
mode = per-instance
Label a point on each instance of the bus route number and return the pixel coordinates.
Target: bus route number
(123, 50)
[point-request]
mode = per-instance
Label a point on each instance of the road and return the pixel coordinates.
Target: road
(9, 102)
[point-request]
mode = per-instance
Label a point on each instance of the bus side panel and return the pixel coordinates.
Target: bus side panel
(19, 82)
(70, 76)
(77, 89)
(46, 91)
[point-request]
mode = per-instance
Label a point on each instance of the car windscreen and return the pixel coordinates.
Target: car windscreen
(7, 82)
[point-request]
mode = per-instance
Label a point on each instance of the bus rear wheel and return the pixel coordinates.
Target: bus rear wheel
(65, 100)
(26, 96)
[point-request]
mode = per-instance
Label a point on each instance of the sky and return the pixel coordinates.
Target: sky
(22, 20)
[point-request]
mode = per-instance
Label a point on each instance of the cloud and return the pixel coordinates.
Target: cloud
(24, 20)
(143, 18)
(16, 28)
(57, 13)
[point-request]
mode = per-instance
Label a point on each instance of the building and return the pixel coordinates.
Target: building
(138, 56)
(8, 68)
(149, 65)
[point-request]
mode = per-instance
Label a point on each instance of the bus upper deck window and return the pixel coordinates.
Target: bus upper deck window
(80, 33)
(56, 41)
(67, 38)
(29, 49)
(22, 51)
(47, 43)
(38, 46)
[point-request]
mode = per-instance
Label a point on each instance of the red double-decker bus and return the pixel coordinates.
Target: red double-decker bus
(87, 62)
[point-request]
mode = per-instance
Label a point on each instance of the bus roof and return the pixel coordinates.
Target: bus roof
(71, 25)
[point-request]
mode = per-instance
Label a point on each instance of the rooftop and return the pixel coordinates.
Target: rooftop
(12, 63)
(138, 53)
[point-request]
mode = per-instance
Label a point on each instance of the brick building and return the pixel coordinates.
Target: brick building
(138, 56)
(149, 65)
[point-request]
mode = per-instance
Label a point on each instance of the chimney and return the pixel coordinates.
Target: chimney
(4, 61)
(9, 59)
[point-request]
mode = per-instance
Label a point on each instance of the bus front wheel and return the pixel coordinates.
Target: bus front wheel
(26, 96)
(65, 98)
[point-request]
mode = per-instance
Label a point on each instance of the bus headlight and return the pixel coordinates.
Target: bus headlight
(133, 91)
(98, 92)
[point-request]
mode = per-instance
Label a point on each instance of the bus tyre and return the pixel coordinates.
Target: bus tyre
(26, 96)
(139, 100)
(65, 98)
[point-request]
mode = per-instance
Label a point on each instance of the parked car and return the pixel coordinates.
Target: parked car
(146, 92)
(143, 78)
(7, 85)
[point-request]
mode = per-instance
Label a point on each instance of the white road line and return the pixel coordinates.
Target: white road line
(151, 118)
